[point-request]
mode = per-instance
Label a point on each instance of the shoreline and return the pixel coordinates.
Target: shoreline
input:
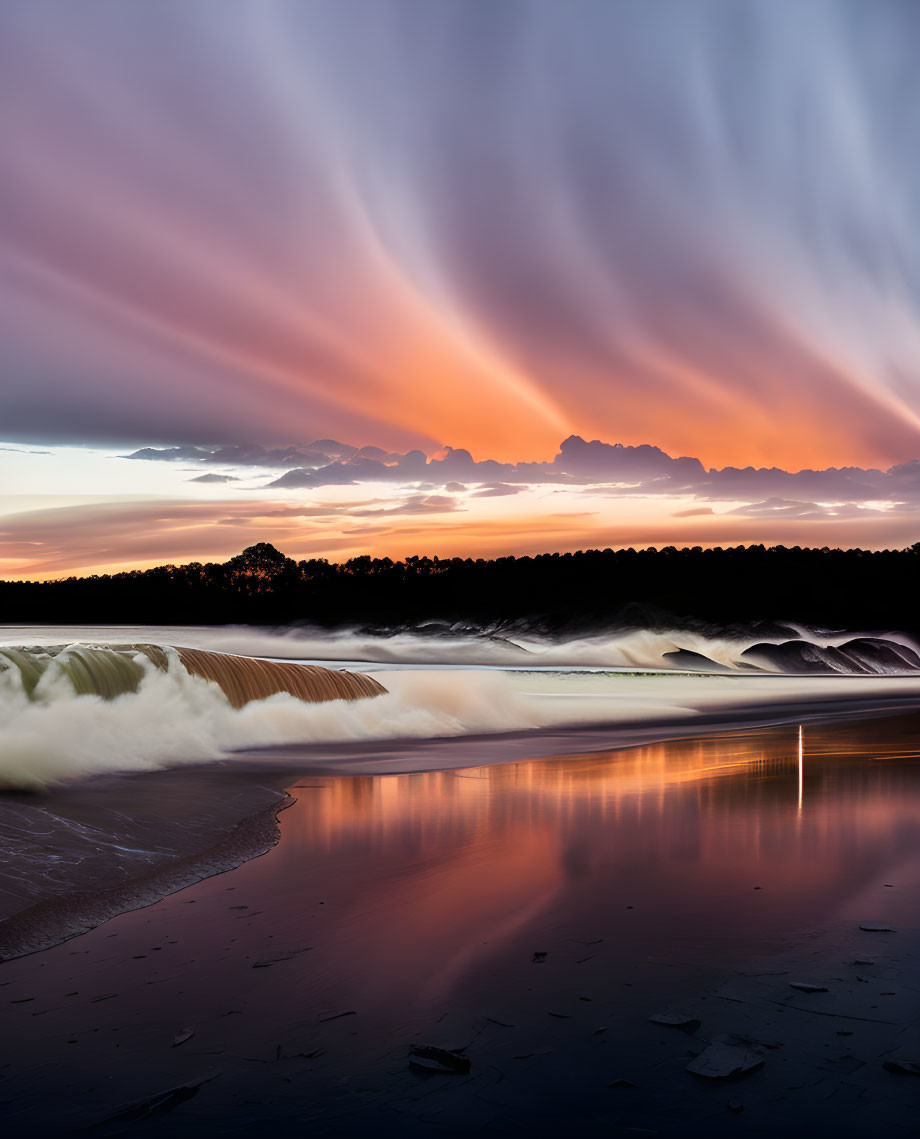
(55, 920)
(58, 918)
(386, 756)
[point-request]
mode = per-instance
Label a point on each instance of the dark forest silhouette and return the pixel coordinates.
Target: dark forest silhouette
(590, 589)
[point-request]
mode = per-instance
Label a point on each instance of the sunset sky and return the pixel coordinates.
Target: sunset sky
(455, 277)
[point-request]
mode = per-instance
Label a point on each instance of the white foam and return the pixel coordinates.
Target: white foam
(175, 718)
(633, 649)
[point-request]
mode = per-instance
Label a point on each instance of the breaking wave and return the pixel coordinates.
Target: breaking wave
(115, 670)
(779, 649)
(80, 710)
(85, 709)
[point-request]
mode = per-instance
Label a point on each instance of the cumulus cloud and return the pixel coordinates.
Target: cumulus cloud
(610, 468)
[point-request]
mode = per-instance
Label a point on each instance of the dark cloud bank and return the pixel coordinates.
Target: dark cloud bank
(613, 468)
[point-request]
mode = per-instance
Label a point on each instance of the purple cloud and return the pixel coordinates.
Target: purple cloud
(610, 468)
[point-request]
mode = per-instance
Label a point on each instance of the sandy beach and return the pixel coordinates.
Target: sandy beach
(532, 917)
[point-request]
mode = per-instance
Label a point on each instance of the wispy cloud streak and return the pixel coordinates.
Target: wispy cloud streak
(493, 224)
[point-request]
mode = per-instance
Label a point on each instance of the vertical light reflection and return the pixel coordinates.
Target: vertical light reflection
(801, 772)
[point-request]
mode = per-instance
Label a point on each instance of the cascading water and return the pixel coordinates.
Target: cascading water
(116, 670)
(242, 679)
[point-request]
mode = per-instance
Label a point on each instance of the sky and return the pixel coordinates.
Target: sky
(455, 277)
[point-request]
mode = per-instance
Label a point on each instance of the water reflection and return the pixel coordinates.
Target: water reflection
(801, 758)
(668, 788)
(658, 849)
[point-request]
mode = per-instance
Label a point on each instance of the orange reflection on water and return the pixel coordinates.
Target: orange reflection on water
(656, 849)
(766, 770)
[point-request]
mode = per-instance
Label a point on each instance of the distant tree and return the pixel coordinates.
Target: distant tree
(262, 558)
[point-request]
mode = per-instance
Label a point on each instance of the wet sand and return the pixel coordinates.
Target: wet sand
(701, 876)
(81, 854)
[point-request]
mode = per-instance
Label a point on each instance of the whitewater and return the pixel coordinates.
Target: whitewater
(78, 702)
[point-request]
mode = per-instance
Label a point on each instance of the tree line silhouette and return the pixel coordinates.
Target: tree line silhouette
(586, 590)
